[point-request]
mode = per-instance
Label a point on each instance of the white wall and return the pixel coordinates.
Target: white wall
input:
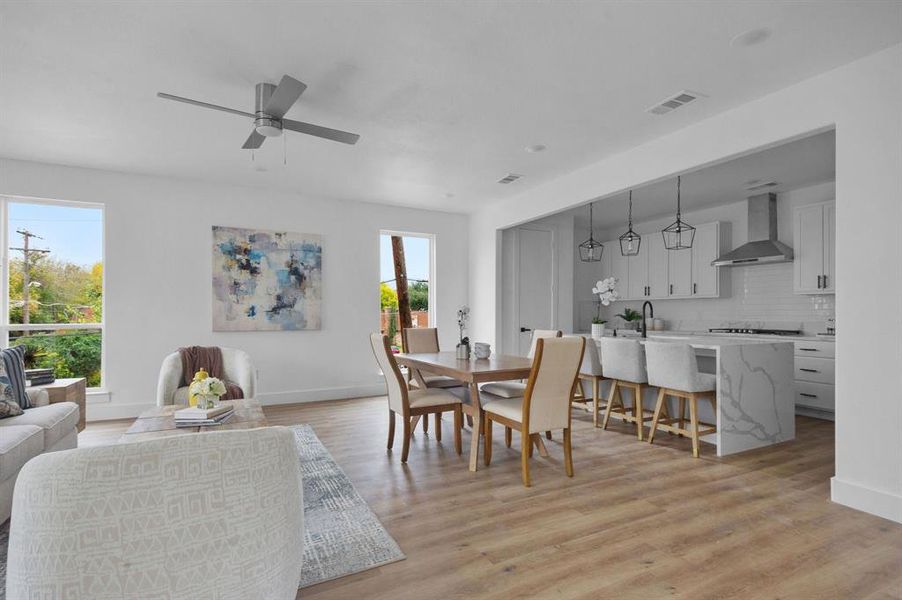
(862, 100)
(759, 295)
(158, 271)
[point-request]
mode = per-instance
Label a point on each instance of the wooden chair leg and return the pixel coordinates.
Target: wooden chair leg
(525, 453)
(548, 435)
(682, 423)
(413, 423)
(568, 453)
(662, 398)
(470, 420)
(458, 425)
(638, 412)
(607, 412)
(595, 392)
(508, 434)
(408, 431)
(438, 426)
(425, 423)
(693, 419)
(540, 445)
(391, 428)
(527, 440)
(487, 435)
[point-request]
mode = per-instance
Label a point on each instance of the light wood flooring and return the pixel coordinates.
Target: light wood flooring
(636, 521)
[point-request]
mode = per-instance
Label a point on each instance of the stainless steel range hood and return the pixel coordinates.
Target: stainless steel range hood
(763, 246)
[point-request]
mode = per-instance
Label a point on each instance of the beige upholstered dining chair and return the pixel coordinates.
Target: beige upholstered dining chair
(412, 404)
(425, 340)
(546, 404)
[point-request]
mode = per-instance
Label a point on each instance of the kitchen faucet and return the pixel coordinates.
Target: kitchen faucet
(652, 315)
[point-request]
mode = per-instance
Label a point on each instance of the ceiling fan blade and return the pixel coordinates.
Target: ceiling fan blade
(324, 132)
(254, 141)
(284, 96)
(205, 105)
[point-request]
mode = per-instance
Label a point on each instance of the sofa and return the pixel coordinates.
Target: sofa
(218, 515)
(42, 428)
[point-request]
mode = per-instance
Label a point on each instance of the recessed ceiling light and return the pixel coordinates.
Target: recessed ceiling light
(535, 148)
(752, 37)
(449, 194)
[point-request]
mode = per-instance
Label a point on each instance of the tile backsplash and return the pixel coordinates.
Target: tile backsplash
(761, 296)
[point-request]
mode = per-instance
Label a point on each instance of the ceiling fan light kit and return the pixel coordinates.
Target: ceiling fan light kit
(271, 102)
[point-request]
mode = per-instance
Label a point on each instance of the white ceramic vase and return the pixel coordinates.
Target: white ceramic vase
(597, 330)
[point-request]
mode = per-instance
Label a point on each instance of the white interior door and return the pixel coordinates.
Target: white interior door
(535, 283)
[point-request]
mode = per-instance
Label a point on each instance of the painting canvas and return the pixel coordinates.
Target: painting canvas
(266, 280)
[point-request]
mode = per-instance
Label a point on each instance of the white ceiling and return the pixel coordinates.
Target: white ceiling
(445, 95)
(792, 165)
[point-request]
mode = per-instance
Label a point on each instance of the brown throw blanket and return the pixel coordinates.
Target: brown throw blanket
(209, 358)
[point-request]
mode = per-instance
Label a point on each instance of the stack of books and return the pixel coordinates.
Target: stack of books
(39, 376)
(203, 417)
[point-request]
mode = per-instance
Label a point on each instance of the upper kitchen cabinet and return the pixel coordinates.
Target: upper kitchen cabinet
(708, 245)
(815, 248)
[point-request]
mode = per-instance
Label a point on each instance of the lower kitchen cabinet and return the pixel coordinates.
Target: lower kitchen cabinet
(815, 378)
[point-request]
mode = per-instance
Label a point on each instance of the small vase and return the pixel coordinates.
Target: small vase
(463, 351)
(206, 401)
(597, 330)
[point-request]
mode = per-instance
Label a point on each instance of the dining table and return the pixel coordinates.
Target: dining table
(471, 373)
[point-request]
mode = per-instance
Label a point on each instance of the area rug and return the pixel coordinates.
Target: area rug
(342, 536)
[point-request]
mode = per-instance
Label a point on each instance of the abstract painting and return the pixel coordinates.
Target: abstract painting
(266, 280)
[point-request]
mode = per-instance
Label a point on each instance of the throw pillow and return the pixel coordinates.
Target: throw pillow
(14, 366)
(9, 406)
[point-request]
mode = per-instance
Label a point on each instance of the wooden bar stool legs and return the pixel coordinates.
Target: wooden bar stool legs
(580, 398)
(667, 423)
(639, 415)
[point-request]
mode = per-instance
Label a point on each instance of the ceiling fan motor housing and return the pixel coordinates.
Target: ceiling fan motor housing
(265, 124)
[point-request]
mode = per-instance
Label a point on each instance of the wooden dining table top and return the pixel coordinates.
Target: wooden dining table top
(473, 370)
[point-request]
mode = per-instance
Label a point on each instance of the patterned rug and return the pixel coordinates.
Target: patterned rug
(342, 536)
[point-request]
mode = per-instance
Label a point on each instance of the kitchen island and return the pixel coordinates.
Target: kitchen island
(755, 390)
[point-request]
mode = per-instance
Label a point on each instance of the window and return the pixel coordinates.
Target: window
(416, 261)
(54, 285)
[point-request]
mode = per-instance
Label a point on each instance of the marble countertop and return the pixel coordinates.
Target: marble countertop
(743, 336)
(708, 342)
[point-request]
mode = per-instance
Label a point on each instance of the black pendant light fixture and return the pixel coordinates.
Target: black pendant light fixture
(629, 241)
(590, 250)
(678, 235)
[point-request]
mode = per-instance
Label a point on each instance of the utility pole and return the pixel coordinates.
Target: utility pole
(397, 245)
(27, 251)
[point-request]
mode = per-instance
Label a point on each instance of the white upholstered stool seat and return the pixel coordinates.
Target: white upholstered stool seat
(624, 365)
(673, 368)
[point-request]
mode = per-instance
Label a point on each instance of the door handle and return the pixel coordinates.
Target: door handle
(809, 370)
(525, 329)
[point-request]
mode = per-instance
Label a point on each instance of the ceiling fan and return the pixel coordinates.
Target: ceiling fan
(271, 104)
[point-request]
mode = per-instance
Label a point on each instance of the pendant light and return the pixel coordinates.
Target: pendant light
(629, 241)
(678, 235)
(590, 250)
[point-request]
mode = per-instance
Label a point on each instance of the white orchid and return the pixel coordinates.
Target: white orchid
(211, 386)
(606, 290)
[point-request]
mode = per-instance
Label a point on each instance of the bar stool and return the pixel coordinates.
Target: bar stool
(624, 365)
(673, 368)
(590, 372)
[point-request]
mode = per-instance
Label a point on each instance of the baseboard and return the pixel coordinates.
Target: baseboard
(320, 394)
(108, 411)
(876, 502)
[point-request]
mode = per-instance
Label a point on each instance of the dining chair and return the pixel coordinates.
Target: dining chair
(425, 340)
(516, 389)
(591, 373)
(412, 404)
(673, 368)
(546, 404)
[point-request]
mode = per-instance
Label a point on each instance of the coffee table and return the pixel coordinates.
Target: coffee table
(159, 421)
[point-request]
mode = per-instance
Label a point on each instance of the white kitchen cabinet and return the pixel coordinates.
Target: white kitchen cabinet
(815, 248)
(705, 249)
(679, 273)
(815, 378)
(638, 271)
(619, 269)
(657, 265)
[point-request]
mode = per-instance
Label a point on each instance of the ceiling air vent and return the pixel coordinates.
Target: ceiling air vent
(762, 186)
(673, 102)
(510, 178)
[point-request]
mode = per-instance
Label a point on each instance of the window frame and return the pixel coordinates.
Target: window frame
(432, 311)
(5, 326)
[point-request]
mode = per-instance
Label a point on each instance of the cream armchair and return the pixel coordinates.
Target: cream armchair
(236, 364)
(213, 515)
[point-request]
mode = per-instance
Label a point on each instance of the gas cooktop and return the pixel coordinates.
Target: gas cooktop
(755, 331)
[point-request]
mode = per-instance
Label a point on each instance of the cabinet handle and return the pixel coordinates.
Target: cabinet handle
(819, 282)
(694, 288)
(807, 395)
(648, 290)
(825, 282)
(671, 289)
(809, 370)
(809, 349)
